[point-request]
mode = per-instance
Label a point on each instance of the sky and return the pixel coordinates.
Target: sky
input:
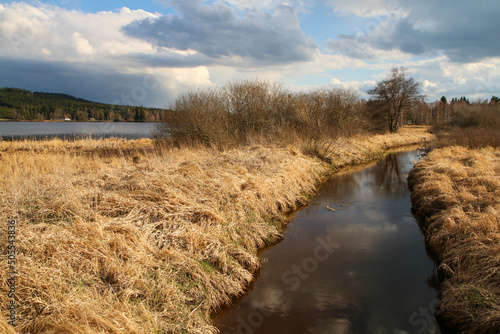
(149, 52)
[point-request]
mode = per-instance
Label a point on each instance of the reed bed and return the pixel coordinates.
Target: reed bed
(456, 195)
(121, 236)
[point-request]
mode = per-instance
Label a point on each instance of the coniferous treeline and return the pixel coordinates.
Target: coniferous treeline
(19, 104)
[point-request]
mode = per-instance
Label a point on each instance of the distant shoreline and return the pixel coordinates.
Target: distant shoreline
(41, 130)
(72, 121)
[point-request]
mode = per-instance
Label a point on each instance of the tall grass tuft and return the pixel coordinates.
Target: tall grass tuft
(456, 195)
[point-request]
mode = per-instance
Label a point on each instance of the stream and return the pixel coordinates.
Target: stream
(352, 261)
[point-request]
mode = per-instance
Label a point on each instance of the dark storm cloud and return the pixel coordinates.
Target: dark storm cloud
(463, 30)
(218, 32)
(168, 59)
(463, 42)
(90, 82)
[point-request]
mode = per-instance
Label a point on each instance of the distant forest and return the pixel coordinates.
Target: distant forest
(19, 105)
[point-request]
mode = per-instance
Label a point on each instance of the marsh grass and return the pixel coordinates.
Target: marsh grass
(475, 126)
(120, 236)
(471, 137)
(456, 195)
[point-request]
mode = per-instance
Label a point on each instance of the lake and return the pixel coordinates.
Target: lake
(70, 130)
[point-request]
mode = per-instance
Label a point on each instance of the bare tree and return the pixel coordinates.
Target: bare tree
(395, 95)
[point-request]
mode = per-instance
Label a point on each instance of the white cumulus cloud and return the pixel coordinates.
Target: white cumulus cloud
(47, 48)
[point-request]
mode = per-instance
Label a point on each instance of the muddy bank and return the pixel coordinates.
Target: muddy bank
(456, 197)
(150, 240)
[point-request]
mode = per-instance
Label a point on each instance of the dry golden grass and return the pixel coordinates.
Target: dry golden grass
(360, 149)
(473, 137)
(121, 237)
(456, 195)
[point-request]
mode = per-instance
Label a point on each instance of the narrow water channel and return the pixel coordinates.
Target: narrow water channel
(353, 261)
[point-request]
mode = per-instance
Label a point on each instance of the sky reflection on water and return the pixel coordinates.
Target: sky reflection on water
(359, 269)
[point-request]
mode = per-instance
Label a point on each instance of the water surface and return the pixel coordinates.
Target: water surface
(359, 269)
(40, 130)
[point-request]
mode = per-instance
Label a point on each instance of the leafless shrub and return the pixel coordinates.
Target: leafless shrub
(198, 117)
(258, 107)
(242, 111)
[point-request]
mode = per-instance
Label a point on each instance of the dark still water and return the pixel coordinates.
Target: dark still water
(360, 269)
(40, 130)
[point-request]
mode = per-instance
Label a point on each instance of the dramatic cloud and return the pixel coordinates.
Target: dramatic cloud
(462, 30)
(46, 48)
(155, 87)
(142, 58)
(94, 56)
(475, 80)
(219, 32)
(53, 33)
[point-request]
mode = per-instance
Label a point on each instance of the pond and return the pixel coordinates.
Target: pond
(353, 261)
(41, 130)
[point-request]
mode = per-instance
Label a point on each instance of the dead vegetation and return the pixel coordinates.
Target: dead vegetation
(471, 137)
(124, 237)
(456, 195)
(472, 125)
(237, 113)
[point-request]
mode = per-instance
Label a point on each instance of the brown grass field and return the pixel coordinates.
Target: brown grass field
(456, 195)
(119, 236)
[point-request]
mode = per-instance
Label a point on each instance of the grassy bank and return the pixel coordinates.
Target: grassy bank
(456, 195)
(120, 236)
(473, 137)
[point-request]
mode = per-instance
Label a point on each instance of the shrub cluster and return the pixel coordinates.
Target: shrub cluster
(242, 111)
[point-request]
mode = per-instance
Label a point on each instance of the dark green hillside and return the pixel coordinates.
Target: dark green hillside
(20, 104)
